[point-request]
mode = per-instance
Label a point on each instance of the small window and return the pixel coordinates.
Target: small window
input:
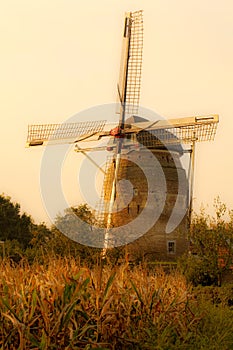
(171, 247)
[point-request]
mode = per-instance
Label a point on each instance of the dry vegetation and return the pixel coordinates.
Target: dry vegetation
(55, 294)
(62, 305)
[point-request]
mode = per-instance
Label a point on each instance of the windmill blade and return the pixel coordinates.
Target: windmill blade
(111, 202)
(102, 206)
(184, 130)
(109, 198)
(129, 91)
(62, 133)
(166, 132)
(131, 63)
(134, 71)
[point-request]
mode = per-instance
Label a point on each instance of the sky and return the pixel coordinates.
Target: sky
(60, 57)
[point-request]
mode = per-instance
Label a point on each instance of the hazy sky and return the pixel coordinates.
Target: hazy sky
(59, 57)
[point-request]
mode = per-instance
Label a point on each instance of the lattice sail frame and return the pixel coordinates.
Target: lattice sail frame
(164, 132)
(40, 134)
(131, 62)
(183, 130)
(134, 72)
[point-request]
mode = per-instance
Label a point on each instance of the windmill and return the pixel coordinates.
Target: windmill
(131, 135)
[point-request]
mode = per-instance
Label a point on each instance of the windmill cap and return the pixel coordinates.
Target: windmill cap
(135, 119)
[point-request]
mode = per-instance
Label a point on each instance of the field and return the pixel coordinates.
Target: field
(58, 294)
(62, 304)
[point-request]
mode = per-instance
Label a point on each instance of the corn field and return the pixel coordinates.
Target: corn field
(63, 305)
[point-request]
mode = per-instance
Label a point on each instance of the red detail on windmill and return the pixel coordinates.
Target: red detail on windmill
(117, 132)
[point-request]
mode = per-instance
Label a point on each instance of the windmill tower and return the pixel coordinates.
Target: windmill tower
(146, 200)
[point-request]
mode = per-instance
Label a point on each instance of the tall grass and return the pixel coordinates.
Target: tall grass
(62, 305)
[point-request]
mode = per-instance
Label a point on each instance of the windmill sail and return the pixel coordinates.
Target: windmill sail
(129, 93)
(40, 134)
(167, 132)
(183, 130)
(131, 63)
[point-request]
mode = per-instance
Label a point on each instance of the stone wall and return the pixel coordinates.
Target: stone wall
(133, 196)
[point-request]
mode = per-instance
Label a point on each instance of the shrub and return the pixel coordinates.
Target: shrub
(211, 253)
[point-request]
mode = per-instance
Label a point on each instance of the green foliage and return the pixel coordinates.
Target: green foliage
(13, 250)
(60, 244)
(39, 245)
(77, 224)
(78, 230)
(24, 239)
(215, 295)
(216, 321)
(211, 253)
(13, 225)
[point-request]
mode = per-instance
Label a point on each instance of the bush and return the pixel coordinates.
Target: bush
(211, 250)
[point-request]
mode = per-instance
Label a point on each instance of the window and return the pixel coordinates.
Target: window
(171, 247)
(135, 191)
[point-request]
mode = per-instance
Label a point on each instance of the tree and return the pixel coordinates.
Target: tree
(80, 225)
(211, 253)
(13, 225)
(75, 230)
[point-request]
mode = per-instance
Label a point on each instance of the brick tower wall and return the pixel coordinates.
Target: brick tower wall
(155, 244)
